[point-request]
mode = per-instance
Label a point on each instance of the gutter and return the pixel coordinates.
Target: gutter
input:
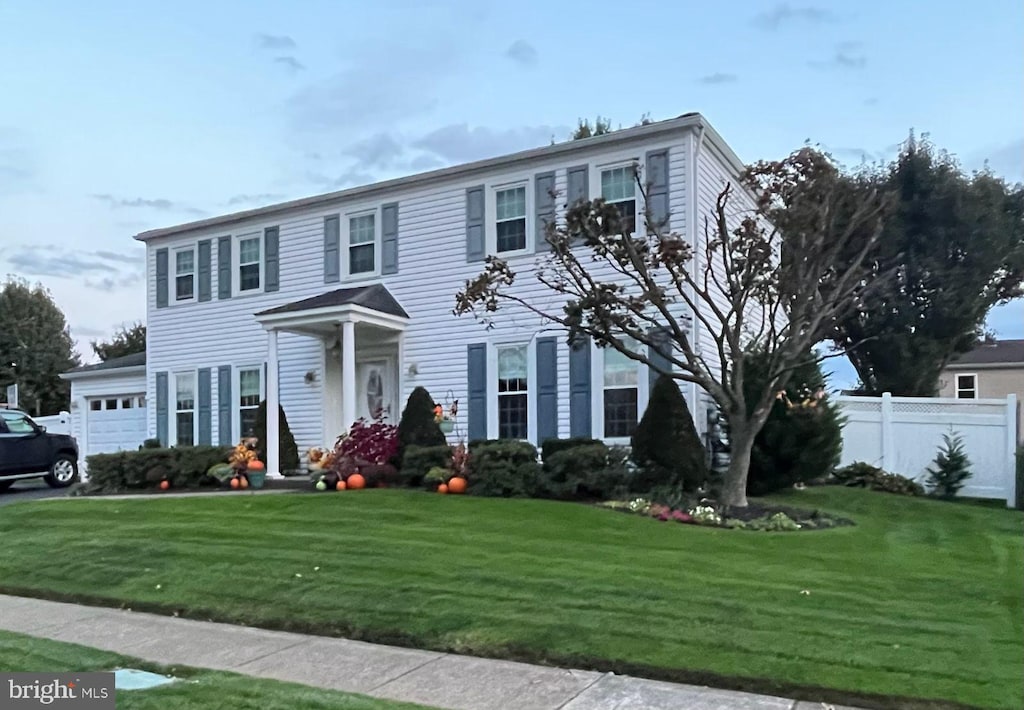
(88, 374)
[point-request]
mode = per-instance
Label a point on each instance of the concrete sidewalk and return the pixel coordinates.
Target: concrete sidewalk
(436, 679)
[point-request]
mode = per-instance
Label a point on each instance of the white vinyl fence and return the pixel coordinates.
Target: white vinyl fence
(55, 423)
(903, 435)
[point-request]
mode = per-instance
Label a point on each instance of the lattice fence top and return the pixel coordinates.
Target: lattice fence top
(860, 405)
(939, 408)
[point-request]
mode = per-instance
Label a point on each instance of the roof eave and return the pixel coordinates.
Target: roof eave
(87, 374)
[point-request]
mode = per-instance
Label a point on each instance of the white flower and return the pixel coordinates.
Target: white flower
(298, 575)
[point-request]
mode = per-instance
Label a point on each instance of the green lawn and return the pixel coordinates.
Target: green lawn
(200, 690)
(921, 598)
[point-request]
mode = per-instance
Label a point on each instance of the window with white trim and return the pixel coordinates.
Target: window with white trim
(618, 188)
(250, 262)
(185, 408)
(513, 395)
(620, 396)
(510, 218)
(362, 244)
(967, 386)
(249, 394)
(184, 274)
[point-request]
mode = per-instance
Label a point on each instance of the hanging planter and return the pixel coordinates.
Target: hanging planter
(447, 426)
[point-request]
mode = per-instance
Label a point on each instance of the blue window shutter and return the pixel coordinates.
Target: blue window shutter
(272, 250)
(544, 207)
(578, 179)
(658, 352)
(161, 408)
(389, 238)
(205, 396)
(205, 277)
(657, 186)
(161, 278)
(547, 389)
(224, 405)
(476, 365)
(579, 388)
(332, 249)
(224, 268)
(476, 247)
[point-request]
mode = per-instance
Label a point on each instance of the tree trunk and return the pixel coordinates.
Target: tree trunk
(734, 487)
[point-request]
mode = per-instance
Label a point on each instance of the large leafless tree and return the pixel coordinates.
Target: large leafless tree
(766, 277)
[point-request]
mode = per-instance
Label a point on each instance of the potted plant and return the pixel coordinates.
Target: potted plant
(242, 463)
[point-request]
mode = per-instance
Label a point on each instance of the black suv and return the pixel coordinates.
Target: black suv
(27, 451)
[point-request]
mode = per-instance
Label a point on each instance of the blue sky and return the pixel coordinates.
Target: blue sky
(117, 117)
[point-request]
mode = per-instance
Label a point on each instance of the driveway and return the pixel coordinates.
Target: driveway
(31, 489)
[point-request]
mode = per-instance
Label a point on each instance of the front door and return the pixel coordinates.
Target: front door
(374, 390)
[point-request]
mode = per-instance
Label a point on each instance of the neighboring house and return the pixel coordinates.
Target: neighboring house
(338, 305)
(108, 405)
(992, 370)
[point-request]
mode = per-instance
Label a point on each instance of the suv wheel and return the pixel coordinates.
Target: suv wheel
(63, 472)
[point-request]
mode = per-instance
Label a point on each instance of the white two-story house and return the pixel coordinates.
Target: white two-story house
(338, 305)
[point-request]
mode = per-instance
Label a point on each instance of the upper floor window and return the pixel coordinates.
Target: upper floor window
(513, 396)
(966, 386)
(510, 218)
(362, 244)
(184, 274)
(250, 262)
(618, 187)
(184, 408)
(621, 377)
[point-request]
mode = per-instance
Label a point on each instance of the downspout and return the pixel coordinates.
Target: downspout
(697, 142)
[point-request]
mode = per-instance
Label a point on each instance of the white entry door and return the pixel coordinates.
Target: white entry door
(375, 390)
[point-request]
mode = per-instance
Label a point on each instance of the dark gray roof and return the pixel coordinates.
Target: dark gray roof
(375, 297)
(999, 352)
(115, 363)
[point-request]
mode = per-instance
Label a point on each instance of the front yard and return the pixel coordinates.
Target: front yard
(919, 599)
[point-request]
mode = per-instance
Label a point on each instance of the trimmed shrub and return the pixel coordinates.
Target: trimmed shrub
(549, 447)
(863, 475)
(150, 444)
(418, 460)
(504, 467)
(951, 468)
(417, 426)
(666, 447)
(184, 467)
(803, 437)
(582, 473)
(289, 451)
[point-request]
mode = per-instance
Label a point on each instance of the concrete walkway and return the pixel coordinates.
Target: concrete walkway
(437, 679)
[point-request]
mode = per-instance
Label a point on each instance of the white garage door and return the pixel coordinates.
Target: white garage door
(116, 424)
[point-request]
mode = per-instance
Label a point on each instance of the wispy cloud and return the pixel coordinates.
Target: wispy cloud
(160, 204)
(522, 52)
(785, 14)
(87, 332)
(275, 42)
(848, 55)
(258, 198)
(718, 78)
(457, 142)
(347, 178)
(290, 63)
(133, 259)
(109, 283)
(381, 150)
(100, 266)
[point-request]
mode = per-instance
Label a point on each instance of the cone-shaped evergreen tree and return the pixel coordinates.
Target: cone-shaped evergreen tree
(666, 445)
(417, 426)
(289, 451)
(951, 469)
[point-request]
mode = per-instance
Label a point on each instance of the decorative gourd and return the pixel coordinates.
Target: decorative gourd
(235, 482)
(243, 481)
(340, 486)
(321, 485)
(457, 484)
(165, 484)
(256, 465)
(443, 488)
(356, 481)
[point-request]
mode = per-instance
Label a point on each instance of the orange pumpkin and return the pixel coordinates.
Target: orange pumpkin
(443, 488)
(256, 465)
(340, 486)
(235, 483)
(165, 484)
(356, 481)
(457, 485)
(243, 482)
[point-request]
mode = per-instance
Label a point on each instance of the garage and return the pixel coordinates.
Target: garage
(108, 405)
(115, 423)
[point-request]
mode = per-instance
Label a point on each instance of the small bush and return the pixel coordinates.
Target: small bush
(382, 475)
(549, 447)
(504, 467)
(288, 451)
(417, 427)
(184, 467)
(150, 444)
(951, 467)
(581, 473)
(864, 475)
(666, 447)
(418, 460)
(802, 439)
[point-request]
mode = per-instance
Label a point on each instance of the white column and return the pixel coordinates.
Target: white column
(348, 373)
(273, 411)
